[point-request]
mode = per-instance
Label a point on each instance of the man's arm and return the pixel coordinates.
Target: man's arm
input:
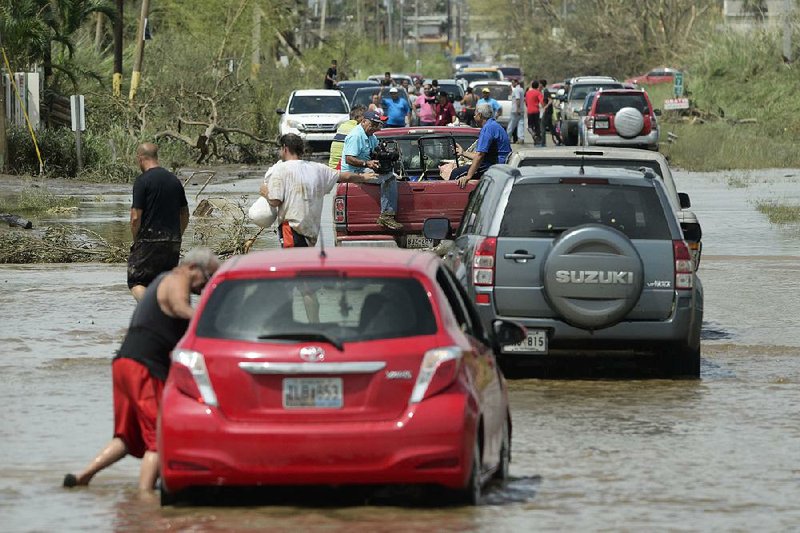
(473, 168)
(173, 296)
(354, 177)
(136, 222)
(353, 161)
(184, 214)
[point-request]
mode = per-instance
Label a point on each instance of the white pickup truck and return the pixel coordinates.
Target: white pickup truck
(500, 91)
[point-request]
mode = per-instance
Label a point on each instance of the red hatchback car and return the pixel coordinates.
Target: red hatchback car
(356, 366)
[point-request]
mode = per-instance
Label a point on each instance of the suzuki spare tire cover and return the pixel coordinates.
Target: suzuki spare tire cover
(628, 122)
(593, 276)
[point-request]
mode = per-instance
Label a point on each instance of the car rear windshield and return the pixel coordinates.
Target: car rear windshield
(609, 104)
(498, 92)
(349, 309)
(318, 104)
(363, 96)
(603, 163)
(537, 210)
(510, 71)
(579, 92)
(453, 90)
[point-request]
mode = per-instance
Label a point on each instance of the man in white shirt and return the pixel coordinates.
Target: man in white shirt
(516, 126)
(297, 188)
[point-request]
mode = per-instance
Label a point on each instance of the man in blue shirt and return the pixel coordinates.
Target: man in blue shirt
(356, 157)
(397, 109)
(497, 109)
(493, 147)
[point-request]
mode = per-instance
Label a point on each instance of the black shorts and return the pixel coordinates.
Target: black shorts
(148, 259)
(290, 238)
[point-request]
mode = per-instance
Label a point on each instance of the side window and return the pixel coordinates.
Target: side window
(469, 219)
(477, 326)
(454, 299)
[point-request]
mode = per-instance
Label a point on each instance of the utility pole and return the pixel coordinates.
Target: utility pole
(787, 30)
(416, 28)
(402, 26)
(322, 16)
(255, 44)
(3, 139)
(390, 33)
(116, 82)
(139, 55)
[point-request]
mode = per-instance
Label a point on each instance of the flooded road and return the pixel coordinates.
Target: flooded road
(722, 453)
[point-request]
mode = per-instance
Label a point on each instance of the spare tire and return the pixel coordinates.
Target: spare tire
(593, 276)
(628, 122)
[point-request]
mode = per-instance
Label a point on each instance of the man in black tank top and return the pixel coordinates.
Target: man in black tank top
(159, 216)
(142, 364)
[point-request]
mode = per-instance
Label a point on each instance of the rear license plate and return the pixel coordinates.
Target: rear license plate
(312, 392)
(418, 241)
(535, 343)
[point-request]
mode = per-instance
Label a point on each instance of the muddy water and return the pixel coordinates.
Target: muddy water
(722, 453)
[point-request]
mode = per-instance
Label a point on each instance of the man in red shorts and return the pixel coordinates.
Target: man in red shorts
(142, 363)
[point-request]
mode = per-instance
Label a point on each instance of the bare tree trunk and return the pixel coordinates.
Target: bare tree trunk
(255, 43)
(117, 79)
(3, 139)
(139, 54)
(98, 32)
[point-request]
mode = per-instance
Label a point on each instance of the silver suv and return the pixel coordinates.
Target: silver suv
(591, 260)
(572, 103)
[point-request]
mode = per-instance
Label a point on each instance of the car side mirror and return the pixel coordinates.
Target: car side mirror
(684, 199)
(657, 112)
(280, 111)
(436, 228)
(507, 332)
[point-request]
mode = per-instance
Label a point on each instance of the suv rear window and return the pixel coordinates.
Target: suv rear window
(350, 309)
(602, 163)
(609, 104)
(579, 92)
(538, 210)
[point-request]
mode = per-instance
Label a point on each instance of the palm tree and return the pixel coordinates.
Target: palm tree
(25, 34)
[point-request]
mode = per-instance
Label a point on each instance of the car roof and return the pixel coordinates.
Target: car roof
(475, 83)
(620, 91)
(592, 79)
(428, 130)
(552, 173)
(365, 83)
(367, 260)
(594, 151)
(317, 92)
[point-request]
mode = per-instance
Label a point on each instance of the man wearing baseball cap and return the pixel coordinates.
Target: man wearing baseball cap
(397, 110)
(488, 100)
(358, 145)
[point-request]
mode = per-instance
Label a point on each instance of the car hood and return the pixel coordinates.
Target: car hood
(318, 118)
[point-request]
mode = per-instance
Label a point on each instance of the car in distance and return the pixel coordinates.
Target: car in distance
(314, 115)
(656, 75)
(629, 158)
(363, 95)
(342, 367)
(573, 100)
(500, 91)
(348, 87)
(591, 260)
(620, 117)
(511, 73)
(396, 78)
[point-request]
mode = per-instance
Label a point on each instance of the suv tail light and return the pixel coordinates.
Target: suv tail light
(438, 370)
(684, 267)
(483, 262)
(339, 212)
(190, 375)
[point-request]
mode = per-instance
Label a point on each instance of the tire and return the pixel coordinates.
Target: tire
(628, 122)
(681, 361)
(503, 466)
(471, 493)
(166, 497)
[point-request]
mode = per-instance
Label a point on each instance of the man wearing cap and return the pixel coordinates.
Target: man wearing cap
(397, 110)
(445, 112)
(493, 147)
(488, 100)
(358, 145)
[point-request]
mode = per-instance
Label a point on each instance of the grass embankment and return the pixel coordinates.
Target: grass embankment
(736, 77)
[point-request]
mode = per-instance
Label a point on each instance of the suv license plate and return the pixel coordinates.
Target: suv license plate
(535, 343)
(312, 392)
(418, 241)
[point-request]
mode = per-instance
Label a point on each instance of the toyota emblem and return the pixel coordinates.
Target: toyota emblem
(312, 354)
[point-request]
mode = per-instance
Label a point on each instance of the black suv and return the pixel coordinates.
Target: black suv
(591, 260)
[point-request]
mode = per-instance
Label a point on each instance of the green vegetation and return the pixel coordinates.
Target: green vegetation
(37, 199)
(779, 213)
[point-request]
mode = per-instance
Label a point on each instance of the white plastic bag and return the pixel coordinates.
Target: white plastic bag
(262, 214)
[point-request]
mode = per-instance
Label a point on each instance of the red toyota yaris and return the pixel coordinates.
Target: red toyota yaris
(357, 366)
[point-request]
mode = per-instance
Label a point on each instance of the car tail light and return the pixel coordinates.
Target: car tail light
(190, 375)
(684, 267)
(438, 370)
(339, 213)
(483, 262)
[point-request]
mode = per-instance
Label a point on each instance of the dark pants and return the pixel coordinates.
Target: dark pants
(148, 259)
(463, 169)
(535, 127)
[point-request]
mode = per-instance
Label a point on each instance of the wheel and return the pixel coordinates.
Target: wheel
(504, 464)
(471, 493)
(167, 497)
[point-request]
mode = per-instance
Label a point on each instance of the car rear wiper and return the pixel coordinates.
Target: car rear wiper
(304, 336)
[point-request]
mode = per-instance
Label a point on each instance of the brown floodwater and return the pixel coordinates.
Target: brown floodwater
(721, 453)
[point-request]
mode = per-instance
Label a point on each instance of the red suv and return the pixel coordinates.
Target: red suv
(620, 117)
(352, 366)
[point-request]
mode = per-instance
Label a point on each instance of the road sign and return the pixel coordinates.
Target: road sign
(78, 113)
(676, 103)
(678, 87)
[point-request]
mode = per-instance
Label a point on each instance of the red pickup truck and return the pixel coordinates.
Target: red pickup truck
(421, 191)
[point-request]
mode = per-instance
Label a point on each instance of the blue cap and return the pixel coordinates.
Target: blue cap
(374, 116)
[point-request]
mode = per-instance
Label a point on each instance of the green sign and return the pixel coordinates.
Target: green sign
(678, 84)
